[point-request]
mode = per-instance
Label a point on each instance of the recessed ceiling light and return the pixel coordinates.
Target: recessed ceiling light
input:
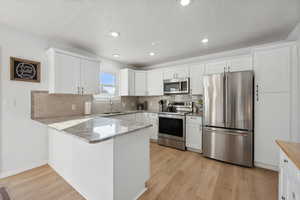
(204, 40)
(152, 54)
(114, 34)
(116, 55)
(184, 2)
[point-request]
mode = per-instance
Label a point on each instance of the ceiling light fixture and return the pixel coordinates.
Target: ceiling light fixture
(114, 34)
(152, 54)
(184, 2)
(116, 55)
(204, 40)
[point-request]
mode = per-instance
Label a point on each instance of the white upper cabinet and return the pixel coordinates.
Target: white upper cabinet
(140, 83)
(215, 67)
(197, 73)
(72, 74)
(272, 69)
(89, 81)
(176, 72)
(127, 82)
(242, 63)
(155, 82)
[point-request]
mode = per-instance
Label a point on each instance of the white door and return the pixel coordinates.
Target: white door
(182, 71)
(155, 82)
(140, 83)
(272, 122)
(127, 82)
(67, 74)
(197, 73)
(176, 72)
(215, 67)
(194, 132)
(90, 76)
(272, 69)
(241, 63)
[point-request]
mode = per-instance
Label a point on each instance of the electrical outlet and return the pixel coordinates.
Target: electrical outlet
(73, 106)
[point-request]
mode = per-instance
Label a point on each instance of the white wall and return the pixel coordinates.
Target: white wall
(23, 142)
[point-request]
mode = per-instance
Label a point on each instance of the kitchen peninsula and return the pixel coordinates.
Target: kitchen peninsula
(102, 158)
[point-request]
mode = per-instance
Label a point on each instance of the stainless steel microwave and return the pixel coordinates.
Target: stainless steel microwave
(177, 86)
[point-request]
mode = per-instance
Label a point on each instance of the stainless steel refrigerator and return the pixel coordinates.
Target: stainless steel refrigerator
(228, 117)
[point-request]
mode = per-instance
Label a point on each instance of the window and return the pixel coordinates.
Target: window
(107, 84)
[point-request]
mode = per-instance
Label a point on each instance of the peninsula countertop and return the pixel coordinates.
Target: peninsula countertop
(292, 150)
(94, 128)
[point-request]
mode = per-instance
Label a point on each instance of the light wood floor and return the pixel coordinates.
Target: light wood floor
(175, 175)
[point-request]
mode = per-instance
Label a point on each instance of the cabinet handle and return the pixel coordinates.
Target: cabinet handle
(82, 90)
(285, 160)
(257, 92)
(282, 197)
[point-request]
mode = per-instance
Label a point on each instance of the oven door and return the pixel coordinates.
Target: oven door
(172, 127)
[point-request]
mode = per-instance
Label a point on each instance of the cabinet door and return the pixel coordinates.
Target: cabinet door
(272, 69)
(282, 183)
(90, 76)
(194, 136)
(197, 73)
(176, 72)
(182, 71)
(155, 82)
(127, 82)
(66, 74)
(242, 63)
(140, 83)
(272, 122)
(215, 67)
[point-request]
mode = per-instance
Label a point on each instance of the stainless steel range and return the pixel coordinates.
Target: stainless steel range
(171, 124)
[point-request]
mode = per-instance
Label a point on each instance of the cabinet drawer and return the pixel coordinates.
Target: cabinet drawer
(194, 120)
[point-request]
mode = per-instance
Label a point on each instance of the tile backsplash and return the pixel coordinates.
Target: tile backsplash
(45, 105)
(153, 101)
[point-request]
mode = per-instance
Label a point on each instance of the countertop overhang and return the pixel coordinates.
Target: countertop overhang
(94, 128)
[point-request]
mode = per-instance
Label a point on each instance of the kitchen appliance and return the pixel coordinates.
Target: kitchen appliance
(87, 107)
(171, 124)
(177, 86)
(228, 117)
(142, 106)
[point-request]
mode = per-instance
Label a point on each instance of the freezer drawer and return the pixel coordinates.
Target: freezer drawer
(228, 145)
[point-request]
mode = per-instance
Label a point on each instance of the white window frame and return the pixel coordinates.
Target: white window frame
(107, 97)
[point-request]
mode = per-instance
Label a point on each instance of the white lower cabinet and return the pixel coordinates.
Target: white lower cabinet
(194, 133)
(289, 179)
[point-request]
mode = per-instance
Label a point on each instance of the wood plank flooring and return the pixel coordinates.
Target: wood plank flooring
(175, 175)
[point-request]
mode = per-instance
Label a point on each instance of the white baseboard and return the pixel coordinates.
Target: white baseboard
(141, 193)
(23, 169)
(266, 166)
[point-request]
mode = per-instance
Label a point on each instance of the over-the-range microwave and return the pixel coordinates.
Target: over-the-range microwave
(177, 86)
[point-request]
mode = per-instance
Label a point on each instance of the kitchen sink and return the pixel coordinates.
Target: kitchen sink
(108, 113)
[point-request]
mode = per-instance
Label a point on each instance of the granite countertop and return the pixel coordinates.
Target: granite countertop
(94, 128)
(195, 114)
(292, 150)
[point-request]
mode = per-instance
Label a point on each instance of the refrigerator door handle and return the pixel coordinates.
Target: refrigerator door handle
(229, 131)
(224, 98)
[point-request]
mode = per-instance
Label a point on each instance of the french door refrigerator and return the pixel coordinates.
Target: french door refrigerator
(228, 117)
